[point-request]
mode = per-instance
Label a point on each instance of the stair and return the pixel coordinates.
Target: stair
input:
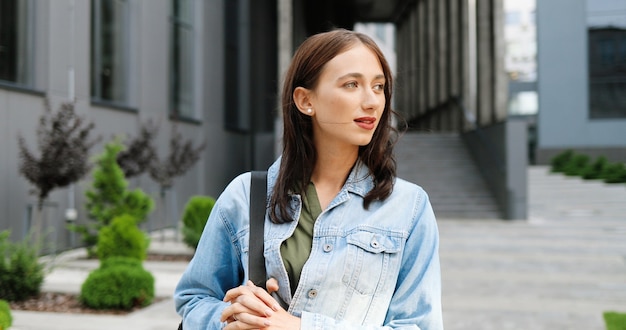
(441, 164)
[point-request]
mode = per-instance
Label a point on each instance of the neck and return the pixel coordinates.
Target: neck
(333, 167)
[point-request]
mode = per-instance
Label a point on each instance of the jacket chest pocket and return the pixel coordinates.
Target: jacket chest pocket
(371, 260)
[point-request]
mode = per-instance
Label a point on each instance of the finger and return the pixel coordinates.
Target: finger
(233, 309)
(264, 296)
(236, 292)
(271, 285)
(251, 320)
(247, 302)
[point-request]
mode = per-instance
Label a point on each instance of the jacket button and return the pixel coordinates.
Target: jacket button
(328, 247)
(375, 244)
(312, 293)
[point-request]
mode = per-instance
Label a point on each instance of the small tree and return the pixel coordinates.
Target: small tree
(108, 197)
(139, 152)
(63, 140)
(182, 156)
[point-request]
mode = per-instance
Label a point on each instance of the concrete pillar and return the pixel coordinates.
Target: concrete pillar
(468, 9)
(285, 52)
(454, 70)
(500, 79)
(421, 37)
(484, 62)
(431, 53)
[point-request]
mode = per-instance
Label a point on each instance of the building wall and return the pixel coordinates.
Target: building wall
(563, 118)
(55, 51)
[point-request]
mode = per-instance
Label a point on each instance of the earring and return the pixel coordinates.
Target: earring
(309, 111)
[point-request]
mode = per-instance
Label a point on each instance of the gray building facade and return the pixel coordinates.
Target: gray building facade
(124, 63)
(566, 31)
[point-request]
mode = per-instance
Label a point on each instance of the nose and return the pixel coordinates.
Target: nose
(372, 100)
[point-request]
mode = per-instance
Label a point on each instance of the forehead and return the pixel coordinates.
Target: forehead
(356, 59)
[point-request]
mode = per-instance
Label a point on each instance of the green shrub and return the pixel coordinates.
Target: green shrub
(6, 320)
(594, 170)
(109, 197)
(119, 283)
(122, 238)
(559, 161)
(576, 165)
(614, 173)
(21, 273)
(615, 321)
(195, 216)
(120, 261)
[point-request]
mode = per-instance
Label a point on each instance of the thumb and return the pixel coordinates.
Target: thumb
(271, 285)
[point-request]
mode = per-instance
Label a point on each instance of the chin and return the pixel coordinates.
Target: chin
(364, 142)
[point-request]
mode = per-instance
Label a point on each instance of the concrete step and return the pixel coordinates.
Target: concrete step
(441, 164)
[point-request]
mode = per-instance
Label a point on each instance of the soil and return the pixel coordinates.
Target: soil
(69, 303)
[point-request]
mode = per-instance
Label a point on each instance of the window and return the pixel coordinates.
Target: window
(110, 51)
(181, 62)
(16, 27)
(606, 22)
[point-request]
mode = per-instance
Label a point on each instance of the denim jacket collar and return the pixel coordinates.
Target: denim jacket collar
(359, 181)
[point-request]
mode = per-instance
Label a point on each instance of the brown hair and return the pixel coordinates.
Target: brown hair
(299, 156)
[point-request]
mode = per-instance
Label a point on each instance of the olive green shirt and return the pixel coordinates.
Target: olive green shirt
(297, 248)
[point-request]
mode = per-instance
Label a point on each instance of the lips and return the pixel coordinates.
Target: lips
(366, 122)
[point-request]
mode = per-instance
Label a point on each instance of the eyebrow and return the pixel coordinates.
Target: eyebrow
(359, 76)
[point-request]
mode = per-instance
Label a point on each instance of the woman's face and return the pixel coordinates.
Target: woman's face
(349, 99)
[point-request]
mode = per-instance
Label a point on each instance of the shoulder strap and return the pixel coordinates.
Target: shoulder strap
(258, 197)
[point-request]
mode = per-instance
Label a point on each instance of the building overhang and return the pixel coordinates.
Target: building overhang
(382, 11)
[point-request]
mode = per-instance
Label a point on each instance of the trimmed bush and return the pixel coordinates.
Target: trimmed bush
(594, 170)
(195, 216)
(615, 321)
(576, 165)
(559, 161)
(109, 197)
(119, 283)
(614, 173)
(122, 238)
(6, 320)
(21, 273)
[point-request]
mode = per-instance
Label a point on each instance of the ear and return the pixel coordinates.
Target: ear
(302, 99)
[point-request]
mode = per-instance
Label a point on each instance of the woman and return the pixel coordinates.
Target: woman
(347, 244)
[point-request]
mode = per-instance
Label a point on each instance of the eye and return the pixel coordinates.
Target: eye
(379, 87)
(351, 84)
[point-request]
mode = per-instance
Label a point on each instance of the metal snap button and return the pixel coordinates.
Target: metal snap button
(328, 247)
(375, 244)
(312, 293)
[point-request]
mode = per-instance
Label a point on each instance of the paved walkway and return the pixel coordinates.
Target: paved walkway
(560, 269)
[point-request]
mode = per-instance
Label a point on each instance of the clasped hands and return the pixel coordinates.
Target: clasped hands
(251, 307)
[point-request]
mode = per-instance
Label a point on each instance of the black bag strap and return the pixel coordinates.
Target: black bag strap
(258, 206)
(258, 199)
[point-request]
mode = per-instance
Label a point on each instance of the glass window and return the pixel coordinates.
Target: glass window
(16, 42)
(606, 23)
(181, 63)
(110, 51)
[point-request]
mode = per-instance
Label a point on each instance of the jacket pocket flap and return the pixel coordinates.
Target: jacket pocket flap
(374, 243)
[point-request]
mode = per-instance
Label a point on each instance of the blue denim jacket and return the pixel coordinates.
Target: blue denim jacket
(368, 269)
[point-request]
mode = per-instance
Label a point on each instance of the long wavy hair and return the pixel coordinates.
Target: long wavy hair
(299, 155)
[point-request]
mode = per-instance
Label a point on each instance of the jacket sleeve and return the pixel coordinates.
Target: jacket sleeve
(416, 302)
(216, 266)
